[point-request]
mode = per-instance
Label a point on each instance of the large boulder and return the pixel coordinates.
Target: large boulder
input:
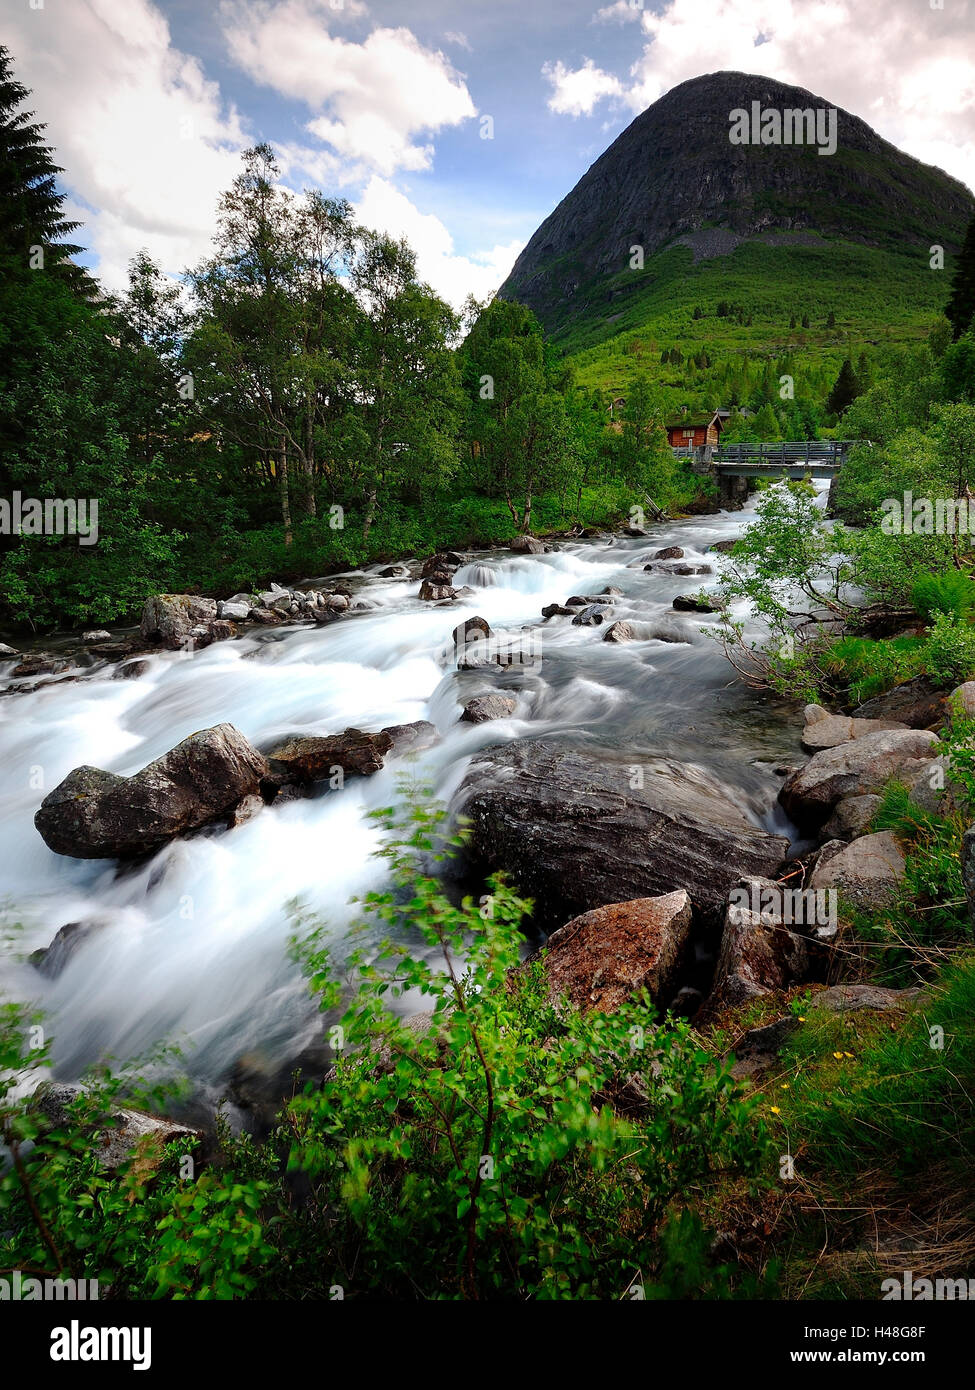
(855, 768)
(867, 872)
(431, 592)
(599, 959)
(315, 759)
(527, 545)
(758, 952)
(484, 708)
(835, 729)
(851, 817)
(915, 703)
(173, 620)
(98, 815)
(575, 834)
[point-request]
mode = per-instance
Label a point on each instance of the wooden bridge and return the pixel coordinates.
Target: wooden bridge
(734, 465)
(817, 458)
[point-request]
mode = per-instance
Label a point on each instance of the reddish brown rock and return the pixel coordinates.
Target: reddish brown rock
(599, 959)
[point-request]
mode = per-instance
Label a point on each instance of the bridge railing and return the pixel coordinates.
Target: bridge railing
(785, 452)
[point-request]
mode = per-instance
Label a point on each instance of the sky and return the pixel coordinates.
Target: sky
(459, 124)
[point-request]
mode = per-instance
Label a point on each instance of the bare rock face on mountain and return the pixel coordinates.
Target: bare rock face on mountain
(673, 177)
(575, 835)
(98, 815)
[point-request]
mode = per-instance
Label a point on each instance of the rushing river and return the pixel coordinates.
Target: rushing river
(193, 944)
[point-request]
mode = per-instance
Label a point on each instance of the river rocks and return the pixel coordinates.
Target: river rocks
(915, 703)
(40, 664)
(98, 634)
(486, 707)
(394, 572)
(601, 958)
(411, 738)
(834, 729)
(7, 652)
(961, 701)
(670, 552)
(575, 835)
(527, 545)
(51, 960)
(856, 768)
(696, 603)
(431, 592)
(723, 547)
(620, 632)
(174, 620)
(469, 635)
(557, 610)
(122, 1131)
(758, 953)
(758, 1049)
(851, 817)
(98, 815)
(131, 670)
(848, 999)
(313, 759)
(592, 616)
(866, 873)
(679, 568)
(237, 612)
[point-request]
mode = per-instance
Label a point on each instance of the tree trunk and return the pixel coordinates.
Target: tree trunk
(311, 508)
(285, 492)
(370, 514)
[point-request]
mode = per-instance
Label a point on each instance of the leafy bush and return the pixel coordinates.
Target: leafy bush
(949, 651)
(951, 592)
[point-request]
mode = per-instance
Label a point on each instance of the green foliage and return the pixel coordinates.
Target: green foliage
(483, 1157)
(952, 592)
(949, 652)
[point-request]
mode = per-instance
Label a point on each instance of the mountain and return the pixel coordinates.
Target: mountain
(776, 228)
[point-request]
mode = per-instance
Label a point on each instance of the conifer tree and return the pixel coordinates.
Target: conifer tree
(960, 309)
(33, 227)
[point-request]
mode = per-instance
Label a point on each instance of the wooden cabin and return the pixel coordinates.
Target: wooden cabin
(693, 431)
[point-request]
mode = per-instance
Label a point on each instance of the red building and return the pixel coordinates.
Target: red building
(691, 431)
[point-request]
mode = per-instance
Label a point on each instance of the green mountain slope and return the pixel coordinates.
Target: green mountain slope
(765, 234)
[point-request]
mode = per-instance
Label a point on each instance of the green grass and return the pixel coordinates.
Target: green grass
(879, 298)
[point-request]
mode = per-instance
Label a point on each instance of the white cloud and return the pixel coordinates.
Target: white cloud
(145, 140)
(905, 68)
(377, 98)
(385, 209)
(460, 40)
(575, 93)
(623, 12)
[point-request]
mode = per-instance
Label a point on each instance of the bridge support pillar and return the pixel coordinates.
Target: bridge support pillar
(732, 492)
